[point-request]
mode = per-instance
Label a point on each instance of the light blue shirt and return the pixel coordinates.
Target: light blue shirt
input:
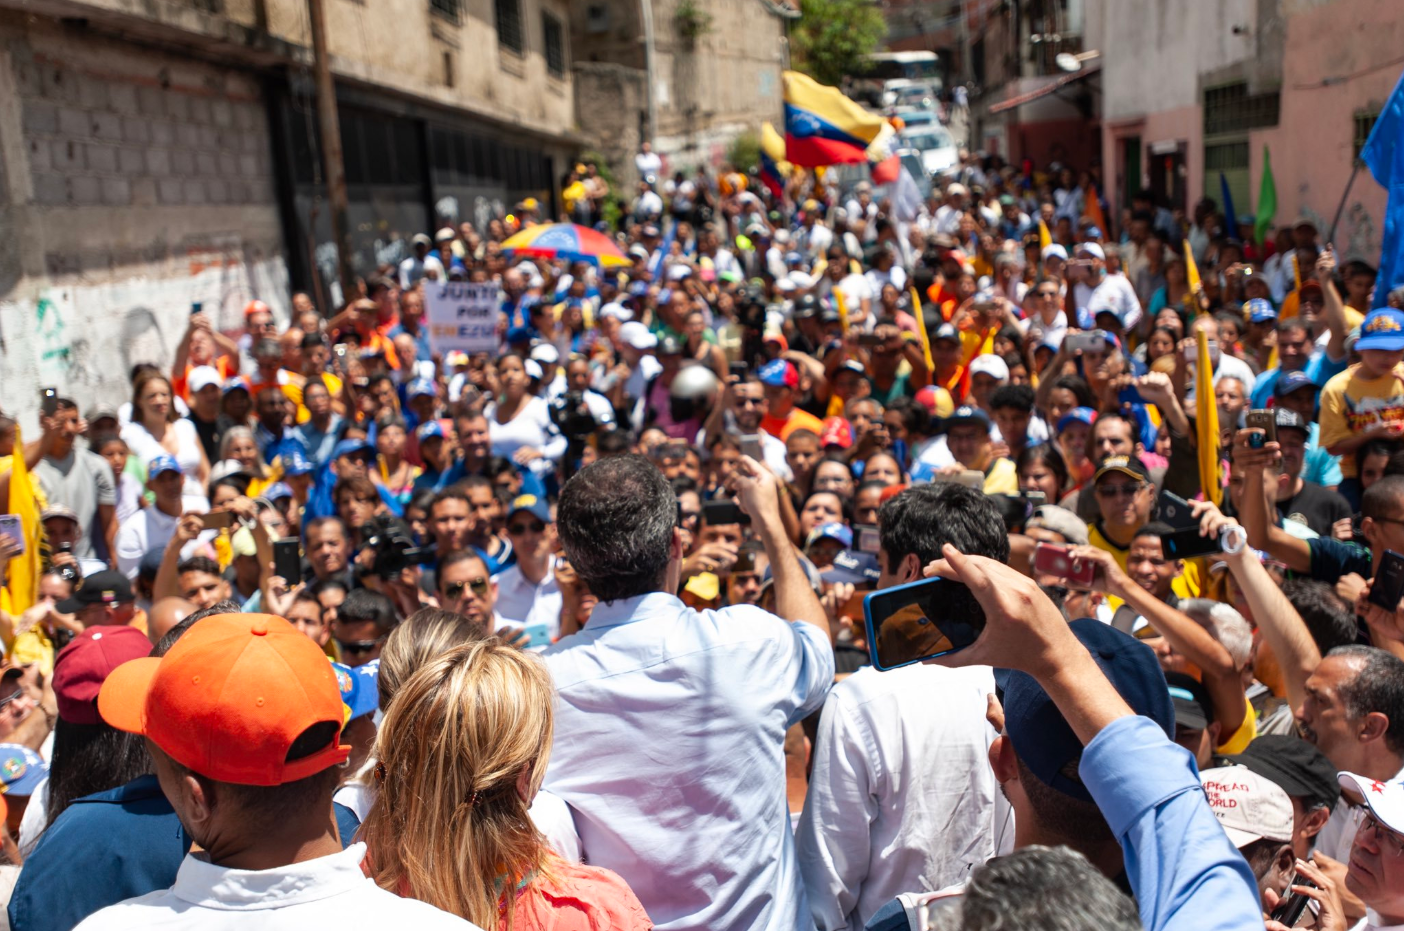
(669, 750)
(1319, 466)
(1184, 870)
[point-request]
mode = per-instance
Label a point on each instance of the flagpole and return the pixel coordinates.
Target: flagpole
(1355, 170)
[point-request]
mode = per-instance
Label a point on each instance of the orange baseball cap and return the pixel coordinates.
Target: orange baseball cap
(230, 698)
(256, 306)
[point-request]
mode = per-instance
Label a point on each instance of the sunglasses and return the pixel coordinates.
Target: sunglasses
(516, 530)
(357, 647)
(1127, 490)
(454, 590)
(1048, 295)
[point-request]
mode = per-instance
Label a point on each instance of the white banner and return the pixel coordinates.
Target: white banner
(461, 317)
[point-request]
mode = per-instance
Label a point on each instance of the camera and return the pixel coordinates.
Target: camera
(572, 416)
(393, 543)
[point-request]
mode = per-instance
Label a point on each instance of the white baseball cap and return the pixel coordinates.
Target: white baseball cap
(1250, 807)
(616, 310)
(989, 364)
(637, 335)
(1091, 248)
(1384, 799)
(546, 354)
(202, 376)
(1054, 250)
(956, 188)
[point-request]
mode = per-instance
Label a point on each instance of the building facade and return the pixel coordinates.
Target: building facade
(158, 159)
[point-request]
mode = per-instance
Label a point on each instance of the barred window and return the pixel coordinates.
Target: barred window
(554, 34)
(509, 25)
(1231, 109)
(1364, 123)
(448, 9)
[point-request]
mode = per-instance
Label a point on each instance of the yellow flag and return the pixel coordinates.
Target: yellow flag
(773, 145)
(921, 331)
(1207, 422)
(842, 309)
(22, 588)
(1045, 238)
(1192, 280)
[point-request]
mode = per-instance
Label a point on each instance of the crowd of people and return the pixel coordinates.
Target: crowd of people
(332, 627)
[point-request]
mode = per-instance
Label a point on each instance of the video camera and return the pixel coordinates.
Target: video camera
(394, 546)
(572, 416)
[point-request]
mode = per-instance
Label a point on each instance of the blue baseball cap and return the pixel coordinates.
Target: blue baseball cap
(533, 505)
(350, 448)
(277, 492)
(428, 430)
(833, 531)
(295, 463)
(968, 414)
(854, 567)
(780, 373)
(163, 463)
(1287, 382)
(421, 386)
(1382, 329)
(235, 383)
(1042, 738)
(21, 770)
(359, 686)
(1077, 415)
(1260, 310)
(519, 334)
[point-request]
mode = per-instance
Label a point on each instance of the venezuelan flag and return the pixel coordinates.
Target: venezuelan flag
(773, 167)
(823, 127)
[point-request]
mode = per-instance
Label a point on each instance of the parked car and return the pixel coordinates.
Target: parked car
(938, 149)
(903, 92)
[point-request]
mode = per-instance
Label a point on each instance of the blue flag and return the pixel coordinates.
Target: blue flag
(1384, 156)
(1230, 215)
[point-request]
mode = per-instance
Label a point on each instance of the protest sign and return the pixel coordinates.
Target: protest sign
(461, 317)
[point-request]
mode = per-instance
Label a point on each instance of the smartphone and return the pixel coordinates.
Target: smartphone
(1289, 909)
(870, 340)
(1192, 350)
(287, 560)
(195, 307)
(1171, 509)
(48, 401)
(1091, 341)
(217, 520)
(917, 621)
(751, 446)
(745, 561)
(13, 527)
(715, 513)
(1388, 585)
(739, 369)
(1265, 421)
(1051, 559)
(1187, 544)
(673, 449)
(540, 636)
(1033, 500)
(868, 540)
(970, 478)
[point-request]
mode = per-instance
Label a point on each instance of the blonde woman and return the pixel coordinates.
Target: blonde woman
(462, 752)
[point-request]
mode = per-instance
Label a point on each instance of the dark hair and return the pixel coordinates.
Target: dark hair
(317, 523)
(1156, 528)
(163, 646)
(1019, 397)
(102, 439)
(616, 520)
(1378, 686)
(1080, 389)
(1330, 621)
(240, 483)
(327, 584)
(1382, 497)
(612, 443)
(365, 605)
(199, 564)
(456, 557)
(1046, 454)
(1050, 888)
(1081, 824)
(921, 519)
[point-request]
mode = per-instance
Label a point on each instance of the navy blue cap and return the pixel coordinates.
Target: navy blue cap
(295, 463)
(519, 334)
(967, 413)
(1042, 738)
(1287, 382)
(854, 567)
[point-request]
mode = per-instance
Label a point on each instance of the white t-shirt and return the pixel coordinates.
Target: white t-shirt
(188, 454)
(1115, 293)
(648, 163)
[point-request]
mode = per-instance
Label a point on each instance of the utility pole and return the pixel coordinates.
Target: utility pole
(332, 167)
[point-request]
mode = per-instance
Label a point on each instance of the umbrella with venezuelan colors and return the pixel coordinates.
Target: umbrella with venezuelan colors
(568, 241)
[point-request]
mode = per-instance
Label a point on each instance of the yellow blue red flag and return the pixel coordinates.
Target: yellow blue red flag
(823, 127)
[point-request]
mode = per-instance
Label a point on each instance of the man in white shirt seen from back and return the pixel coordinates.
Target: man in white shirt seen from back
(527, 593)
(671, 722)
(901, 795)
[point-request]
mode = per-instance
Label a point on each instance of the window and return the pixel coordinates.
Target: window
(448, 9)
(554, 34)
(509, 25)
(1231, 109)
(1364, 123)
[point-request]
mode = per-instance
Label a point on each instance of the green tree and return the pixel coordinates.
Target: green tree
(744, 152)
(830, 37)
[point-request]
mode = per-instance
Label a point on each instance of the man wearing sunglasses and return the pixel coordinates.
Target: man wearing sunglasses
(1125, 495)
(1376, 871)
(527, 593)
(363, 622)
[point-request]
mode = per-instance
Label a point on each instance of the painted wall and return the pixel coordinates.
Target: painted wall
(1182, 124)
(1334, 51)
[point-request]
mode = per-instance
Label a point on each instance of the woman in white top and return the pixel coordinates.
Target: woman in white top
(155, 430)
(519, 423)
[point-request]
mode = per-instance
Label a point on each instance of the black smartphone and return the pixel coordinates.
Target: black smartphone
(1289, 910)
(1187, 544)
(716, 513)
(287, 560)
(195, 307)
(1171, 509)
(917, 621)
(48, 401)
(869, 340)
(1388, 585)
(739, 369)
(1263, 420)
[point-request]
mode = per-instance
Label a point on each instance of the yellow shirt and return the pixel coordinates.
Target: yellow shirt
(33, 646)
(1352, 403)
(1188, 584)
(1242, 737)
(1002, 478)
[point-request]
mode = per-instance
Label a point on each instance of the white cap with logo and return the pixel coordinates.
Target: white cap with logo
(1248, 806)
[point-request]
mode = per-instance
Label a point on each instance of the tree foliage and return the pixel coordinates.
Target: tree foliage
(830, 37)
(744, 152)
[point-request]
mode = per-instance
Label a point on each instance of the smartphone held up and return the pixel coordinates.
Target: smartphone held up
(919, 621)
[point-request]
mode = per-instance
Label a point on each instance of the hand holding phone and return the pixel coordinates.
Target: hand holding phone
(216, 520)
(1052, 559)
(287, 560)
(751, 446)
(1387, 587)
(1264, 425)
(12, 526)
(919, 621)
